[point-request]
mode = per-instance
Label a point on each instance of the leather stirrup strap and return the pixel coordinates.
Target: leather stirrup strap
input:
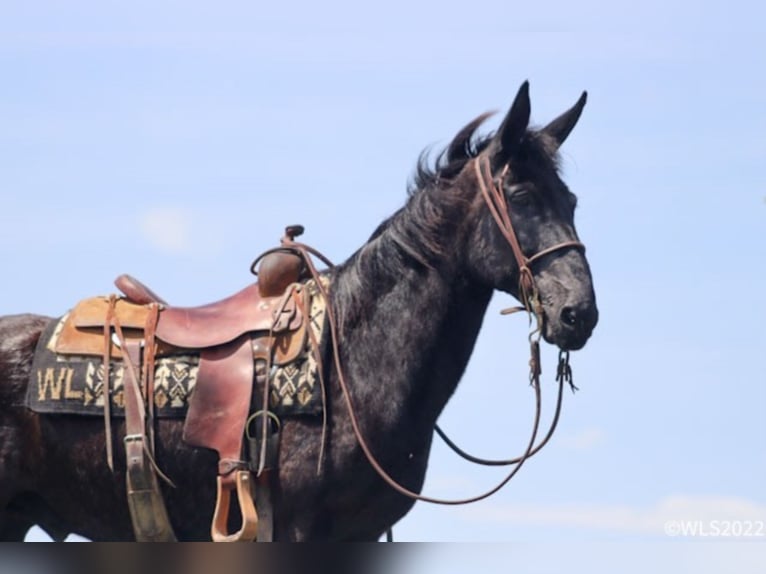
(150, 350)
(264, 504)
(147, 508)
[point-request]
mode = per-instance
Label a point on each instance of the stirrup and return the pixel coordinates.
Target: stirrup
(249, 530)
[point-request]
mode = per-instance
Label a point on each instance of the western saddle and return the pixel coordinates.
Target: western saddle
(267, 320)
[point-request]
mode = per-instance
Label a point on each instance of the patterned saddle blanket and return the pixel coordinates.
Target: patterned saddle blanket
(72, 383)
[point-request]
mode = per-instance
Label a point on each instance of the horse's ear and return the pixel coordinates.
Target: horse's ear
(561, 127)
(514, 126)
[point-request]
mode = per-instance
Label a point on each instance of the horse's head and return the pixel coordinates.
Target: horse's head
(534, 209)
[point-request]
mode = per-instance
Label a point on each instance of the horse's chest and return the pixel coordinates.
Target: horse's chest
(363, 505)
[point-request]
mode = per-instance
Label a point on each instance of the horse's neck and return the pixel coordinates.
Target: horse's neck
(408, 343)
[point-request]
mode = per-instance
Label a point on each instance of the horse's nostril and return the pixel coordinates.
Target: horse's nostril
(569, 316)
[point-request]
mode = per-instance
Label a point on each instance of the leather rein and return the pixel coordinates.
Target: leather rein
(494, 197)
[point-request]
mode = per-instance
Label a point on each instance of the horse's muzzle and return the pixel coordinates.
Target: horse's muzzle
(571, 326)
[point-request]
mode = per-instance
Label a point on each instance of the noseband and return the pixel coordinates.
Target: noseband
(494, 197)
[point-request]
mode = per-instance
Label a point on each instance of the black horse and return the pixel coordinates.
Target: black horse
(409, 305)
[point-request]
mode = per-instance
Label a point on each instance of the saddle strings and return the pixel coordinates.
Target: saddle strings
(107, 394)
(269, 363)
(316, 352)
(133, 380)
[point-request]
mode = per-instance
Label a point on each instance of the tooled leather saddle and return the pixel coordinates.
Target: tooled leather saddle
(267, 320)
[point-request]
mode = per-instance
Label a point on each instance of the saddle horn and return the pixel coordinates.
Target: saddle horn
(281, 266)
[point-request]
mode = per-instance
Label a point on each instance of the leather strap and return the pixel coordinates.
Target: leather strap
(135, 414)
(265, 506)
(494, 197)
(264, 459)
(150, 350)
(106, 393)
(148, 513)
(563, 374)
(221, 400)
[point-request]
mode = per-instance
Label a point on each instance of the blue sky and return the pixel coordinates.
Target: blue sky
(167, 139)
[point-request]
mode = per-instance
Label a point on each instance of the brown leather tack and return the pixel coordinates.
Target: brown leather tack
(224, 321)
(220, 403)
(136, 291)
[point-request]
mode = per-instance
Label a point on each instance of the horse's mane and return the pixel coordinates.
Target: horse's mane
(418, 234)
(536, 147)
(422, 233)
(451, 160)
(421, 229)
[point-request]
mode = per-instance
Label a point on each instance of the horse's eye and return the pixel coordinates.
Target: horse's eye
(521, 196)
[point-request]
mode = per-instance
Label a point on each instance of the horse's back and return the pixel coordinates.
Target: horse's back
(18, 338)
(53, 470)
(41, 459)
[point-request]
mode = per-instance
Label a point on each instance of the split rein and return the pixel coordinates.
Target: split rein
(496, 202)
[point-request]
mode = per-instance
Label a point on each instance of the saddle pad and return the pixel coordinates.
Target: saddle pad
(72, 384)
(295, 387)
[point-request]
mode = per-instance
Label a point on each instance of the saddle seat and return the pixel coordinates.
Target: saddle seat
(180, 329)
(219, 322)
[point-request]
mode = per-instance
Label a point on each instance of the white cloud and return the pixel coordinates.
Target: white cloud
(630, 519)
(168, 229)
(585, 439)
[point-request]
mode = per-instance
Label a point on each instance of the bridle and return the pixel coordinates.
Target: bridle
(497, 204)
(494, 197)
